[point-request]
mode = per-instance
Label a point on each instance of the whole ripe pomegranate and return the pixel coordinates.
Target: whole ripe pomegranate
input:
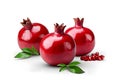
(31, 34)
(57, 47)
(84, 37)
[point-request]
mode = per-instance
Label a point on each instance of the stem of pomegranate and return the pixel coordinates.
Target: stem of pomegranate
(27, 24)
(78, 22)
(59, 28)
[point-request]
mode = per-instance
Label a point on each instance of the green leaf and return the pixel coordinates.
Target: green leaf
(34, 51)
(27, 50)
(31, 51)
(72, 67)
(61, 65)
(62, 69)
(75, 69)
(74, 63)
(22, 55)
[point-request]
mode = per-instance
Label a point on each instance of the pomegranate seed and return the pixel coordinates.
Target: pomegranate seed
(82, 57)
(86, 58)
(92, 54)
(97, 53)
(96, 57)
(102, 57)
(92, 57)
(89, 58)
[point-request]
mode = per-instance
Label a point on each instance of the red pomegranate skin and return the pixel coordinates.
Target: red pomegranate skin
(31, 34)
(84, 37)
(57, 47)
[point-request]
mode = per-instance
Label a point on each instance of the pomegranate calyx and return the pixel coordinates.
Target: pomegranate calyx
(59, 28)
(78, 22)
(27, 24)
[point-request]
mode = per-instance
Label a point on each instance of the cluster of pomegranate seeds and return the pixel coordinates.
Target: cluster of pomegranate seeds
(93, 57)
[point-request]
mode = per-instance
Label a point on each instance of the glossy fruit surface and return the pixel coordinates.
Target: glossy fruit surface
(31, 34)
(57, 47)
(84, 37)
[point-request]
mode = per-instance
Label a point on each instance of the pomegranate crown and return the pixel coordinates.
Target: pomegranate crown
(59, 28)
(27, 23)
(78, 21)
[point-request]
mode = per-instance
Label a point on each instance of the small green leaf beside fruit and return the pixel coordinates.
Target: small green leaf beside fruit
(27, 52)
(72, 67)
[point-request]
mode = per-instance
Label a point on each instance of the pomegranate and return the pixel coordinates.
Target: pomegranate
(31, 34)
(57, 47)
(84, 37)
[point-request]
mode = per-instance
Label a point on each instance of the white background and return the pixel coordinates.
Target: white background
(101, 16)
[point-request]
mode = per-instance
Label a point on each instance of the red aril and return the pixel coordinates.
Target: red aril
(92, 57)
(101, 57)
